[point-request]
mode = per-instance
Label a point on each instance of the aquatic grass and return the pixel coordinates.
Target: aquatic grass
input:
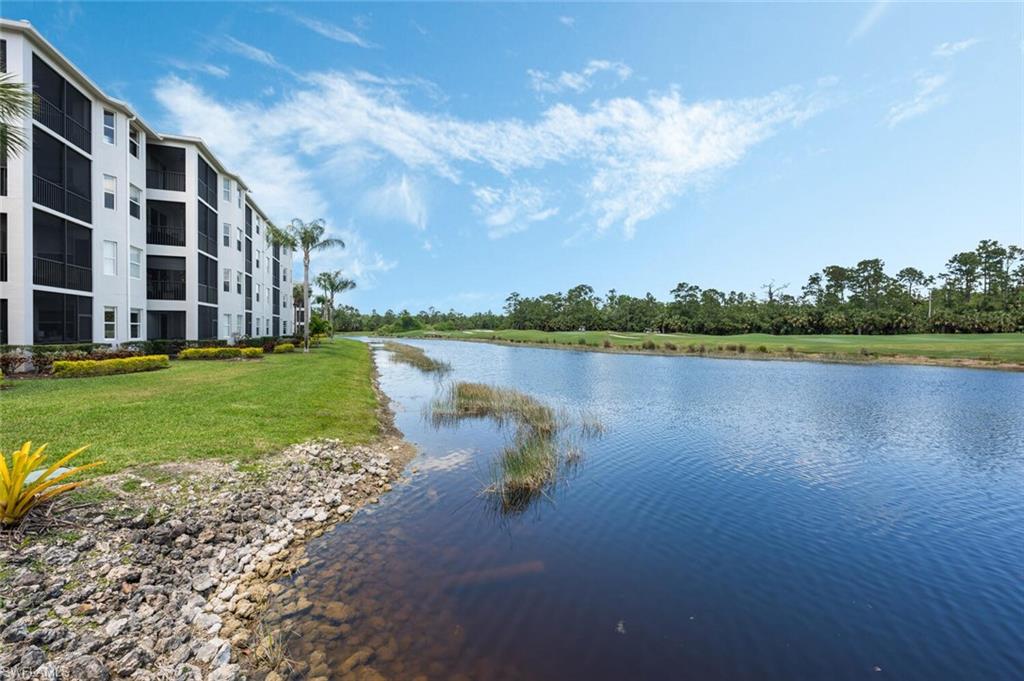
(532, 463)
(416, 357)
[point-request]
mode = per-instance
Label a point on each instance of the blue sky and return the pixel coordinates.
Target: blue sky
(468, 150)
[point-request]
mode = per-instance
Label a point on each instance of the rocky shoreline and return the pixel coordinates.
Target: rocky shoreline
(169, 580)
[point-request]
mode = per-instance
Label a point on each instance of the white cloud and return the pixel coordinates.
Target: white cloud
(511, 210)
(327, 29)
(398, 199)
(928, 95)
(200, 67)
(868, 19)
(637, 156)
(577, 81)
(250, 52)
(567, 21)
(950, 49)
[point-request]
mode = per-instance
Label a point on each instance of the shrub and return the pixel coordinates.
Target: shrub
(10, 362)
(741, 348)
(107, 367)
(671, 346)
(790, 349)
(581, 341)
(607, 343)
(252, 352)
(211, 353)
(702, 349)
(649, 345)
(284, 347)
(18, 497)
(762, 348)
(731, 347)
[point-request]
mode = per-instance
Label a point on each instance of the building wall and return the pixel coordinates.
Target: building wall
(116, 287)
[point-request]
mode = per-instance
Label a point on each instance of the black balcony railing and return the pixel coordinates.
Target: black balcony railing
(54, 118)
(164, 235)
(171, 180)
(47, 272)
(165, 290)
(52, 195)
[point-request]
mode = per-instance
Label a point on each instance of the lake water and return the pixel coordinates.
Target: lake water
(737, 520)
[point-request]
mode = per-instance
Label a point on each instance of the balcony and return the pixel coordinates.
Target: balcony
(57, 120)
(47, 272)
(163, 235)
(171, 180)
(60, 199)
(165, 290)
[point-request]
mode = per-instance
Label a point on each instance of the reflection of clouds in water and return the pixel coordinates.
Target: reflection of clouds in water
(448, 462)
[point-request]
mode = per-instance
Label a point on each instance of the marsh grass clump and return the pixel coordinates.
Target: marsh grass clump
(762, 348)
(607, 343)
(670, 346)
(413, 356)
(532, 462)
(650, 345)
(581, 341)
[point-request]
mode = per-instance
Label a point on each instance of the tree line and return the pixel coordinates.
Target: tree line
(978, 291)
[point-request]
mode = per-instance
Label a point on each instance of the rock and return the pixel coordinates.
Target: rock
(15, 632)
(360, 657)
(202, 583)
(87, 668)
(115, 627)
(32, 658)
(229, 672)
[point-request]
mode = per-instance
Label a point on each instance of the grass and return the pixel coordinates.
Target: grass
(995, 347)
(413, 356)
(198, 410)
(531, 463)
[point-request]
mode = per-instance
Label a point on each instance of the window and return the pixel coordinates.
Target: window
(227, 234)
(59, 318)
(135, 323)
(258, 257)
(238, 243)
(108, 127)
(284, 328)
(109, 191)
(238, 281)
(258, 222)
(135, 263)
(109, 323)
(238, 325)
(227, 325)
(133, 143)
(284, 275)
(134, 201)
(257, 292)
(239, 197)
(257, 326)
(110, 258)
(227, 285)
(227, 189)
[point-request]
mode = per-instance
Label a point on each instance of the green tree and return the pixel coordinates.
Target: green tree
(307, 237)
(332, 283)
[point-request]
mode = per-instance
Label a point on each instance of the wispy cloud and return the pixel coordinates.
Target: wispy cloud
(951, 49)
(250, 52)
(326, 29)
(567, 21)
(577, 81)
(400, 198)
(200, 67)
(637, 156)
(868, 19)
(513, 209)
(929, 93)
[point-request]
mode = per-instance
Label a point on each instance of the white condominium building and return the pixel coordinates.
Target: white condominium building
(112, 232)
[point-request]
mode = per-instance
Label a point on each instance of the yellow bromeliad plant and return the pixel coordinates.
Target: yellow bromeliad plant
(18, 497)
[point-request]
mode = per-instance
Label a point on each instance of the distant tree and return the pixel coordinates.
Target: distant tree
(332, 283)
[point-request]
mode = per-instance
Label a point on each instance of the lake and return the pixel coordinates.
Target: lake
(738, 519)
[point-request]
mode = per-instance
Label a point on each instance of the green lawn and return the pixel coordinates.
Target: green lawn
(198, 409)
(1005, 347)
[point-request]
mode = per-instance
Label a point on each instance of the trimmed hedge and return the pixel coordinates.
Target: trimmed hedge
(107, 367)
(283, 347)
(210, 353)
(252, 352)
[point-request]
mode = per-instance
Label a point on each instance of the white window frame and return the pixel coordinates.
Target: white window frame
(134, 200)
(258, 287)
(240, 319)
(109, 131)
(133, 141)
(110, 258)
(227, 280)
(238, 281)
(227, 325)
(227, 235)
(135, 323)
(109, 327)
(135, 262)
(238, 243)
(240, 197)
(227, 189)
(111, 192)
(259, 256)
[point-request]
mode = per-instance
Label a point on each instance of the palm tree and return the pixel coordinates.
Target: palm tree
(15, 105)
(309, 237)
(332, 284)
